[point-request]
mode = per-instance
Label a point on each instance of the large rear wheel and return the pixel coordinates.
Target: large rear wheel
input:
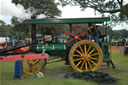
(85, 56)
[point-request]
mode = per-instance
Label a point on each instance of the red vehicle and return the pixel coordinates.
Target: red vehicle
(22, 50)
(1, 47)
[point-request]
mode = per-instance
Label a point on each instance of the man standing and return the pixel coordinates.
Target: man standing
(94, 32)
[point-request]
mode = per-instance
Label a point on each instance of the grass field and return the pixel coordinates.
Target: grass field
(53, 71)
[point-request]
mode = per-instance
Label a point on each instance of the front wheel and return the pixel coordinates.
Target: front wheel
(85, 56)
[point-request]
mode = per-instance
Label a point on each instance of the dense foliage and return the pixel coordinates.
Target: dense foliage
(102, 6)
(37, 7)
(10, 31)
(120, 34)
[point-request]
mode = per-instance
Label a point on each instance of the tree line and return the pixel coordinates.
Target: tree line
(120, 34)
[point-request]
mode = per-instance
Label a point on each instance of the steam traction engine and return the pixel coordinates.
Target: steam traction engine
(82, 54)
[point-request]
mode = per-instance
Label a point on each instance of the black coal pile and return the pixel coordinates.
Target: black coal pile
(102, 78)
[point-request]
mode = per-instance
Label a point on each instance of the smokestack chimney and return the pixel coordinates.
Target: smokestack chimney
(33, 31)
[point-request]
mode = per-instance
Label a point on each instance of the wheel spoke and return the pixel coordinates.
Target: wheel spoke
(85, 49)
(89, 64)
(81, 49)
(71, 34)
(36, 61)
(94, 54)
(91, 51)
(82, 65)
(86, 66)
(79, 39)
(71, 40)
(93, 62)
(94, 58)
(89, 48)
(77, 55)
(82, 34)
(79, 52)
(78, 59)
(78, 63)
(76, 40)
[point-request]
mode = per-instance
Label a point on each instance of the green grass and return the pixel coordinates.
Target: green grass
(121, 71)
(51, 70)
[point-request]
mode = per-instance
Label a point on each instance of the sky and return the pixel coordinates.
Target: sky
(8, 9)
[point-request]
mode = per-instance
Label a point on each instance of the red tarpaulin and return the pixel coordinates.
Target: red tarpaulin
(26, 57)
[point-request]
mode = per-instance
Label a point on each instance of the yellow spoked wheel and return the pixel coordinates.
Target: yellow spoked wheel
(33, 66)
(85, 56)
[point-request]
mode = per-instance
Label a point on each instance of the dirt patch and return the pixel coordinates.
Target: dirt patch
(116, 49)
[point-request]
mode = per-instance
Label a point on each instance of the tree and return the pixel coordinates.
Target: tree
(122, 16)
(102, 6)
(2, 23)
(124, 33)
(5, 29)
(115, 33)
(37, 7)
(19, 27)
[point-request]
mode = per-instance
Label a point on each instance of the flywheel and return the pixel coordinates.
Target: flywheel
(85, 56)
(78, 34)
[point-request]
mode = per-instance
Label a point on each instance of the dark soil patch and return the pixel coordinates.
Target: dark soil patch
(102, 78)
